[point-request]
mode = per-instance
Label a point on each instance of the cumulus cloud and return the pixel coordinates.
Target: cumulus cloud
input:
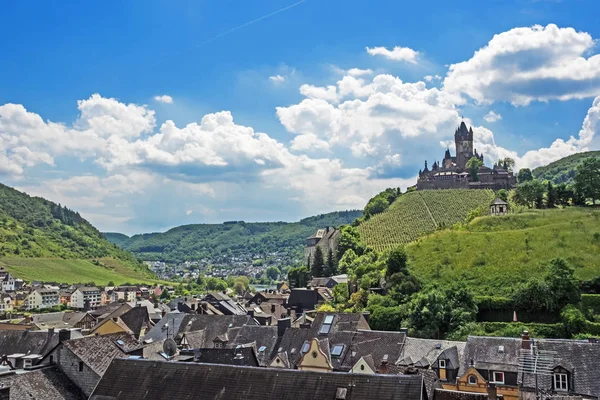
(529, 64)
(431, 78)
(277, 79)
(396, 54)
(371, 118)
(359, 72)
(164, 99)
(491, 116)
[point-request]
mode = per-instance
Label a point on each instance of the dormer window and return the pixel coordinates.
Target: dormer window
(305, 347)
(561, 382)
(472, 380)
(442, 364)
(497, 377)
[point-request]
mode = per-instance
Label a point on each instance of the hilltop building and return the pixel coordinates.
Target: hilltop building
(327, 239)
(452, 172)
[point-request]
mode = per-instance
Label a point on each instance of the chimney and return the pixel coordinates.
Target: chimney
(4, 392)
(384, 367)
(50, 332)
(272, 308)
(282, 325)
(64, 334)
(367, 316)
(492, 391)
(525, 340)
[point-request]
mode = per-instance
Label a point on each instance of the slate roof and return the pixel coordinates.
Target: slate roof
(580, 357)
(115, 313)
(186, 381)
(258, 336)
(240, 356)
(485, 353)
(36, 342)
(306, 298)
(46, 383)
(137, 319)
(213, 326)
(98, 351)
(499, 201)
(428, 351)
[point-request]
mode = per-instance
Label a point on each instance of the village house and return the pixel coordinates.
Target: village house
(86, 297)
(326, 239)
(85, 360)
(42, 298)
(499, 207)
(6, 303)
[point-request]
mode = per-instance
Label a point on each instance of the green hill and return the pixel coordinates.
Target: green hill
(495, 253)
(230, 239)
(41, 240)
(563, 170)
(420, 213)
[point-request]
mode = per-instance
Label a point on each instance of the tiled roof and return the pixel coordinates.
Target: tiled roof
(186, 381)
(441, 394)
(98, 351)
(46, 383)
(240, 356)
(137, 319)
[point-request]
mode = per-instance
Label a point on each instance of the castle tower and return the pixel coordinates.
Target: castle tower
(463, 138)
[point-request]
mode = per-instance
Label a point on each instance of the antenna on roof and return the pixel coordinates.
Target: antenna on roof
(535, 362)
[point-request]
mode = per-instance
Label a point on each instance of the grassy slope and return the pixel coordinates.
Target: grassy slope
(193, 242)
(563, 170)
(419, 213)
(41, 241)
(492, 255)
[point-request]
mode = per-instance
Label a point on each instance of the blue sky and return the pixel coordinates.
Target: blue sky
(277, 110)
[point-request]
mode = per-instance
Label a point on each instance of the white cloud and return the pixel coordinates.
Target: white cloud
(188, 212)
(328, 93)
(431, 78)
(491, 116)
(396, 54)
(359, 72)
(164, 99)
(529, 64)
(372, 119)
(277, 79)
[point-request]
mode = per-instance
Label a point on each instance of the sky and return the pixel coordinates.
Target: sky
(145, 115)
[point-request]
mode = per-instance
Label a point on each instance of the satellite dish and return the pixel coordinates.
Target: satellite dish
(170, 347)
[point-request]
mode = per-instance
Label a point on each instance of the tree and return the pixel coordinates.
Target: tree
(564, 194)
(550, 196)
(317, 267)
(473, 166)
(330, 267)
(524, 175)
(298, 277)
(347, 260)
(587, 178)
(111, 283)
(378, 205)
(350, 239)
(563, 287)
(387, 318)
(530, 193)
(238, 288)
(340, 293)
(272, 272)
(508, 164)
(396, 262)
(502, 194)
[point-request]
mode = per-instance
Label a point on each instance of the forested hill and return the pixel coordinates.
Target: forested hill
(34, 228)
(563, 170)
(230, 239)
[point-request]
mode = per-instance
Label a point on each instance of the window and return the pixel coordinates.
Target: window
(560, 382)
(305, 347)
(80, 366)
(472, 380)
(497, 377)
(442, 363)
(326, 327)
(262, 349)
(337, 350)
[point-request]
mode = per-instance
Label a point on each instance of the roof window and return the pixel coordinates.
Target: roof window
(337, 350)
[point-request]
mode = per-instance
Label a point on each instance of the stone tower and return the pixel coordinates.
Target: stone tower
(463, 138)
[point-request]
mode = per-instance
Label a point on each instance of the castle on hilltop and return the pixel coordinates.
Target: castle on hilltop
(452, 172)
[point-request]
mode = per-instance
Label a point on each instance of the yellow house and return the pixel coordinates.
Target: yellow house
(473, 381)
(314, 358)
(109, 326)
